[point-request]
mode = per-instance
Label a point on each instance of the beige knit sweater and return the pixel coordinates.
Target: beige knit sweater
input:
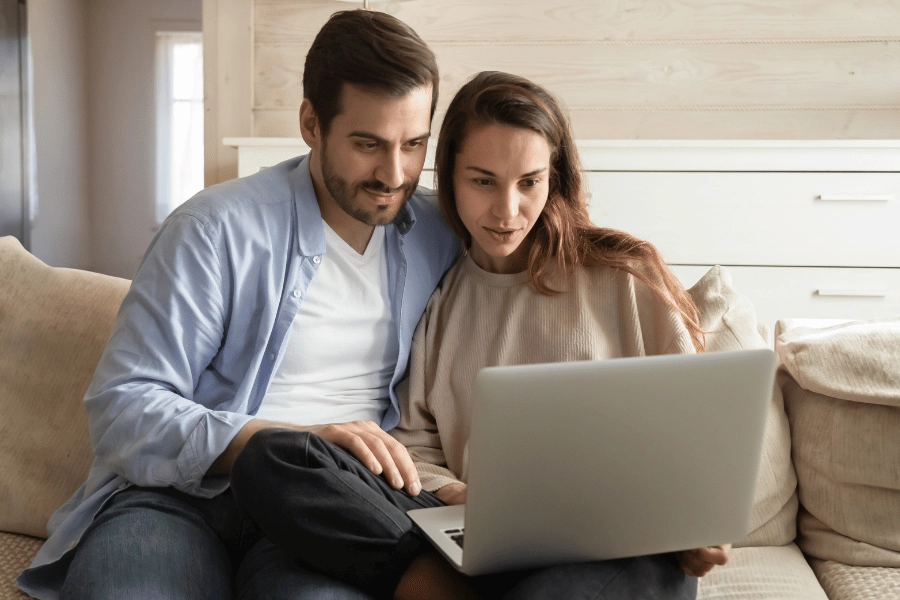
(477, 319)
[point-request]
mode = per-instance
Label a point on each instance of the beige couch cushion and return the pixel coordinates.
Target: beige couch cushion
(842, 394)
(843, 582)
(762, 573)
(16, 552)
(54, 324)
(730, 322)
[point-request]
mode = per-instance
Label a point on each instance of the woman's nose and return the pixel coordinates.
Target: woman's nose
(507, 204)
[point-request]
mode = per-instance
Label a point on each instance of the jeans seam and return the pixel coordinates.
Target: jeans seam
(600, 592)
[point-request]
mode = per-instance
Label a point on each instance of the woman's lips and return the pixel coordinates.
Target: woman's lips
(501, 235)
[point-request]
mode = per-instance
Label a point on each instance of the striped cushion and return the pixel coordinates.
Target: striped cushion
(842, 393)
(762, 574)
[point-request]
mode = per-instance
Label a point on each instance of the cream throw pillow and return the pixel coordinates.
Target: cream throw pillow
(730, 322)
(842, 394)
(54, 324)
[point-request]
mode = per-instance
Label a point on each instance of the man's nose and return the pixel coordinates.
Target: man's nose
(390, 170)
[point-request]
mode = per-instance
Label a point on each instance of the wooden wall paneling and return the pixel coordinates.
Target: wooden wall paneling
(622, 20)
(789, 75)
(680, 69)
(685, 125)
(227, 83)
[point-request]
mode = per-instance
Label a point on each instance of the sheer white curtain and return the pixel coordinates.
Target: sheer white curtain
(179, 119)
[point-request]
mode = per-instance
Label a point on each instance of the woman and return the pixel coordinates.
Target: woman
(538, 283)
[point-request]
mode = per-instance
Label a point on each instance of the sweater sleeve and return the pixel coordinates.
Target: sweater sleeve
(655, 326)
(418, 429)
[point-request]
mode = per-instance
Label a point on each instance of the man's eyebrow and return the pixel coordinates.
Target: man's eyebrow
(377, 138)
(492, 174)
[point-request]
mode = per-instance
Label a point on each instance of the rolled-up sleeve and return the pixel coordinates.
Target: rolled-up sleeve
(145, 423)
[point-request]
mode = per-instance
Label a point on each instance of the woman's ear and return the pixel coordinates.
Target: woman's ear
(309, 125)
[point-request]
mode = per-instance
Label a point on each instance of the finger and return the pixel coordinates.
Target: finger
(355, 444)
(379, 448)
(715, 555)
(348, 437)
(696, 562)
(405, 466)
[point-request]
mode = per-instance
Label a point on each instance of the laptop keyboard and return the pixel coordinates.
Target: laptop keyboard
(456, 535)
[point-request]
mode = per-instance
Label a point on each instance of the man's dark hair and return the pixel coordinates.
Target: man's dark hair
(372, 50)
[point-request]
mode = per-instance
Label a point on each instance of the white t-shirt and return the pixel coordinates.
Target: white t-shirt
(342, 346)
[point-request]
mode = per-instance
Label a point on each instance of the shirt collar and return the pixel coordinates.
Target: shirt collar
(405, 219)
(309, 226)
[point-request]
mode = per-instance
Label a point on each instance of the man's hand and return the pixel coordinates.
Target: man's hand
(374, 448)
(455, 493)
(699, 562)
(365, 440)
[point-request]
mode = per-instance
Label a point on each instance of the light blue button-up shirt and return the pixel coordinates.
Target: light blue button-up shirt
(202, 328)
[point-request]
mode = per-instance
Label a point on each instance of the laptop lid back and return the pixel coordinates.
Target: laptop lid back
(604, 459)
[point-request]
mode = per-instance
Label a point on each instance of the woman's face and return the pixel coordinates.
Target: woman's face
(501, 180)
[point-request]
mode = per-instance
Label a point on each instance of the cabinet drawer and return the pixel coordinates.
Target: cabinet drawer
(820, 293)
(809, 219)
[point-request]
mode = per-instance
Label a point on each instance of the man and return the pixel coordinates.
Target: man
(284, 299)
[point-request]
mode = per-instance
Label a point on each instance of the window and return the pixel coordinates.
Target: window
(179, 119)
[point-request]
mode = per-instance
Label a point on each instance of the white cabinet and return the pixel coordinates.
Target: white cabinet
(806, 228)
(784, 219)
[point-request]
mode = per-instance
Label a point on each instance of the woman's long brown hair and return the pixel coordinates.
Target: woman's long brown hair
(563, 237)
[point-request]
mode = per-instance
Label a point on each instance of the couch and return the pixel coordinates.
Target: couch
(826, 515)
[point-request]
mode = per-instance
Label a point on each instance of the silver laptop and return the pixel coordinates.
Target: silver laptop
(596, 460)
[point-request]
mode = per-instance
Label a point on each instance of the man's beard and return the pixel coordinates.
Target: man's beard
(345, 193)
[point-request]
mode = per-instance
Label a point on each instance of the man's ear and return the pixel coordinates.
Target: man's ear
(309, 125)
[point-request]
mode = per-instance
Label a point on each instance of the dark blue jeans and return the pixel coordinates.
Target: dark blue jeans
(324, 507)
(158, 543)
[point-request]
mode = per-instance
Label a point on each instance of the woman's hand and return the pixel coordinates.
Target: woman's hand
(699, 562)
(455, 493)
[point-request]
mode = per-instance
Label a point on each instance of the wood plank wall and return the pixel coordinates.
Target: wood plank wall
(646, 69)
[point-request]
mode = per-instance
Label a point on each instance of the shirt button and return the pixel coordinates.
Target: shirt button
(72, 545)
(272, 356)
(297, 293)
(122, 486)
(316, 259)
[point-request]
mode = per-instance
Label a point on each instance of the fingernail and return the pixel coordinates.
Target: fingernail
(398, 482)
(376, 468)
(415, 488)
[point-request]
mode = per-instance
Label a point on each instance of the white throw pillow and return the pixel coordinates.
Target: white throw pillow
(730, 322)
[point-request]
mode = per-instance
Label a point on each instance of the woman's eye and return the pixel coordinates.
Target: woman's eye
(482, 182)
(530, 182)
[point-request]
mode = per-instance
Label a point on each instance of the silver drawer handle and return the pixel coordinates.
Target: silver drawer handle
(856, 197)
(852, 293)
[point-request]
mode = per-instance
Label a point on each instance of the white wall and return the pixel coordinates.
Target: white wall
(61, 227)
(121, 39)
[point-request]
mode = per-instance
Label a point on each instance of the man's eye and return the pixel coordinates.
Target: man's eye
(366, 145)
(415, 144)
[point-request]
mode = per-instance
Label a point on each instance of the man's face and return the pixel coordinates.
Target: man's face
(374, 151)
